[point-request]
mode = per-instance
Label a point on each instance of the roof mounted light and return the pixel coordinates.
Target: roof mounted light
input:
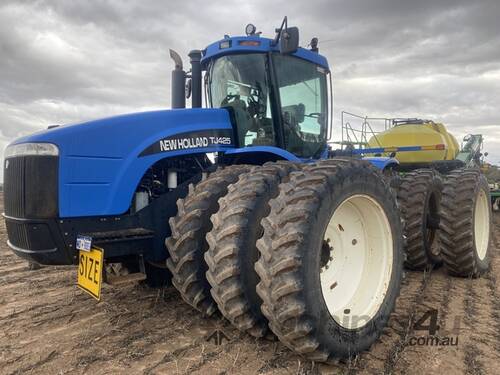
(30, 149)
(249, 43)
(250, 29)
(314, 45)
(225, 44)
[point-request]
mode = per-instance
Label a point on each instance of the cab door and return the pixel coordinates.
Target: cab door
(303, 104)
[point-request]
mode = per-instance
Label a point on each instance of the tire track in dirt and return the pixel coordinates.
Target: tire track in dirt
(386, 351)
(34, 366)
(493, 285)
(414, 357)
(473, 305)
(133, 338)
(481, 306)
(468, 305)
(29, 308)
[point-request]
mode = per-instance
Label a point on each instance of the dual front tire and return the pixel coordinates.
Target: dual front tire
(314, 254)
(187, 244)
(331, 260)
(232, 251)
(270, 263)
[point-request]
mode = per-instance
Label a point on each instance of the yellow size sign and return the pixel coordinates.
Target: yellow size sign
(90, 267)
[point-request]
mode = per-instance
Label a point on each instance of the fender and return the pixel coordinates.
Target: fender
(382, 162)
(101, 162)
(261, 154)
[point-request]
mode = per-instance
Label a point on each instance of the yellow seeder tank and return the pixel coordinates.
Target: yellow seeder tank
(417, 133)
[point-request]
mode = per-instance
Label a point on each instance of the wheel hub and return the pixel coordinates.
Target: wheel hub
(482, 224)
(355, 276)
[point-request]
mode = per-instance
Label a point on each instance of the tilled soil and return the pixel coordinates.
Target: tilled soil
(47, 325)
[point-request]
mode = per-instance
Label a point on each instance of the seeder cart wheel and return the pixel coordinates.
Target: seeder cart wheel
(419, 198)
(466, 223)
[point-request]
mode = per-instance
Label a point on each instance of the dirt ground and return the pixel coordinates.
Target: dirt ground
(47, 325)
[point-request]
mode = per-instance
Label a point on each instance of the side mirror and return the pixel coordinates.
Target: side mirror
(485, 154)
(188, 88)
(289, 40)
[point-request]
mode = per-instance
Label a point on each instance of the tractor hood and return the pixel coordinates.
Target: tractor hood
(130, 135)
(102, 161)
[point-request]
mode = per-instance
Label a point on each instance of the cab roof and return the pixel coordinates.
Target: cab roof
(255, 44)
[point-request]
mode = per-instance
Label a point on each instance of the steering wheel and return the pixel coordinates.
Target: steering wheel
(314, 115)
(228, 98)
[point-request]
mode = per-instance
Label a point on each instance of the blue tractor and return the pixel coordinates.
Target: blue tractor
(242, 204)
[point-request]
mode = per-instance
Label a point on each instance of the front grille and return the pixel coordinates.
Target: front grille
(18, 234)
(14, 186)
(30, 236)
(30, 186)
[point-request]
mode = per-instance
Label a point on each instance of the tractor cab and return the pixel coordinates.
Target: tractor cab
(276, 92)
(287, 109)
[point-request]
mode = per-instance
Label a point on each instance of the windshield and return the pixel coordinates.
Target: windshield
(240, 82)
(304, 107)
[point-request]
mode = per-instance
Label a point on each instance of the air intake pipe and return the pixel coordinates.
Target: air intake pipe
(195, 57)
(178, 95)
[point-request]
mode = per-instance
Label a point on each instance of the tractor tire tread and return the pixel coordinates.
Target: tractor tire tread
(411, 194)
(457, 223)
(228, 256)
(187, 243)
(282, 284)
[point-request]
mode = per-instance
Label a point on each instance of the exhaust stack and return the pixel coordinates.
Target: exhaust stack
(178, 94)
(195, 57)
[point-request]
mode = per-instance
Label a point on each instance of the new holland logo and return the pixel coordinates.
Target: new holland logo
(198, 142)
(201, 139)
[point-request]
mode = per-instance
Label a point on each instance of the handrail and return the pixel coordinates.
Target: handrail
(360, 135)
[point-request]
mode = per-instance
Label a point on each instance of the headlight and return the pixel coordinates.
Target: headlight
(24, 149)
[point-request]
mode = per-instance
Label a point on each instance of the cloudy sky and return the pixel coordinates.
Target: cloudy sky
(70, 61)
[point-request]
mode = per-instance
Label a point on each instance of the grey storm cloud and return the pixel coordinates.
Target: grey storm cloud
(70, 61)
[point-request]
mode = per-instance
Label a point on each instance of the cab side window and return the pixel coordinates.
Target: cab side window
(302, 90)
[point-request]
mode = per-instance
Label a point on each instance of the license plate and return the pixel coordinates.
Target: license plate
(83, 243)
(90, 266)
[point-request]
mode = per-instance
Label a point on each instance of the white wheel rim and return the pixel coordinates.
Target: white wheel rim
(482, 224)
(356, 277)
